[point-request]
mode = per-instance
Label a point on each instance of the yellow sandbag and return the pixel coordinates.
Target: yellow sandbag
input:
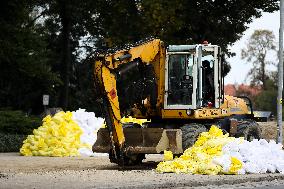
(133, 120)
(58, 136)
(236, 165)
(168, 155)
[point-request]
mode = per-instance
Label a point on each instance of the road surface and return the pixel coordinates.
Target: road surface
(97, 172)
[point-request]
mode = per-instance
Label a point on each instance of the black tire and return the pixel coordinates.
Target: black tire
(190, 133)
(248, 129)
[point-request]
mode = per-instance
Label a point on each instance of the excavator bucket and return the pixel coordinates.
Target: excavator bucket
(143, 141)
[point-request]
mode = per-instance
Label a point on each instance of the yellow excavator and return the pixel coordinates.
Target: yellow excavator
(178, 88)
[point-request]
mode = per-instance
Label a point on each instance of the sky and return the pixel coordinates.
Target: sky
(240, 68)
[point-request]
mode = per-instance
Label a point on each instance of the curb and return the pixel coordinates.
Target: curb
(219, 181)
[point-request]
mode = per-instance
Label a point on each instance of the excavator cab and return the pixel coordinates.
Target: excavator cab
(193, 77)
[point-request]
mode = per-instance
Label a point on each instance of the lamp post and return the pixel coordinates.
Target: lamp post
(280, 76)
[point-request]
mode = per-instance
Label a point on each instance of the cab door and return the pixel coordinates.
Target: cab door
(209, 76)
(180, 80)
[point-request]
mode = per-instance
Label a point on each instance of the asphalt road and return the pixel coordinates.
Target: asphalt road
(97, 172)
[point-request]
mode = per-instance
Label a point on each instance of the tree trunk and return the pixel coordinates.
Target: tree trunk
(66, 52)
(263, 73)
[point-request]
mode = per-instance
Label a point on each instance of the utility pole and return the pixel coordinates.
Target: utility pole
(280, 76)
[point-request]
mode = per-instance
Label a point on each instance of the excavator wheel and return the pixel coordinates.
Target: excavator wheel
(190, 133)
(248, 129)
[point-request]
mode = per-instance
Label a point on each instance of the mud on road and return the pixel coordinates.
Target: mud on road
(97, 172)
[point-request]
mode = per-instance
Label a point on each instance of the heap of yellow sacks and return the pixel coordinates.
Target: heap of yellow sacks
(198, 159)
(58, 136)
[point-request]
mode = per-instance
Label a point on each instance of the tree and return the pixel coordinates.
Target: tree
(65, 18)
(43, 42)
(25, 74)
(220, 22)
(259, 45)
(267, 99)
(119, 22)
(65, 25)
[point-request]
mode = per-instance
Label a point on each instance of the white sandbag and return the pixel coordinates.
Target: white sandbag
(224, 161)
(258, 156)
(90, 124)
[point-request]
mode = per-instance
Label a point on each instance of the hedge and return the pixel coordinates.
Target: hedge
(16, 122)
(11, 142)
(14, 128)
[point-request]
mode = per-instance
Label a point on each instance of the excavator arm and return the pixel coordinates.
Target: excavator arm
(114, 73)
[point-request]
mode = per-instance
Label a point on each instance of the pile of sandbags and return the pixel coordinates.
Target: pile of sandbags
(58, 136)
(215, 153)
(67, 134)
(90, 124)
(257, 156)
(64, 134)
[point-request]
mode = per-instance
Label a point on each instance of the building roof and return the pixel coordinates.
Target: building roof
(235, 90)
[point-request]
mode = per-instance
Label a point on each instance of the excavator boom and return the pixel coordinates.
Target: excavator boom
(114, 73)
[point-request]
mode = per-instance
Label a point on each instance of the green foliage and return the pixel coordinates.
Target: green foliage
(11, 142)
(25, 74)
(220, 22)
(42, 43)
(16, 122)
(119, 21)
(267, 99)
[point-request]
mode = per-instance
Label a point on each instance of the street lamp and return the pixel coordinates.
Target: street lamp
(280, 76)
